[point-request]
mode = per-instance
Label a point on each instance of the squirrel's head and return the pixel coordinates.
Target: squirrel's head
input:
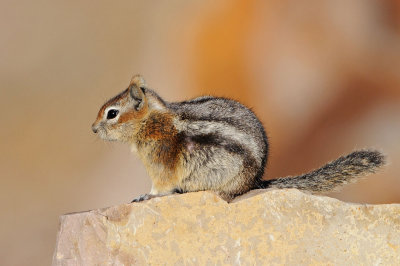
(119, 117)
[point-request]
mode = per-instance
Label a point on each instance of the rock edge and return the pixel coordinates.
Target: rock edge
(261, 227)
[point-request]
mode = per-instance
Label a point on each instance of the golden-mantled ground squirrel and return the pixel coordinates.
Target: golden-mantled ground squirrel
(209, 143)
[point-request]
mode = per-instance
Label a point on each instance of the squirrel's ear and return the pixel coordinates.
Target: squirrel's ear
(138, 81)
(136, 91)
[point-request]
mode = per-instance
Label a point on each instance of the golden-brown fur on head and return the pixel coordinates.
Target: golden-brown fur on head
(119, 118)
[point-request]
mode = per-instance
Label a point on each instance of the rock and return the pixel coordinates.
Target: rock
(261, 227)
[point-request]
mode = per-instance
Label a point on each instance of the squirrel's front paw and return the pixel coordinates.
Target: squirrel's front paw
(141, 198)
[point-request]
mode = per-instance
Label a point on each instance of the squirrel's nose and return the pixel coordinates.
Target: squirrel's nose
(94, 129)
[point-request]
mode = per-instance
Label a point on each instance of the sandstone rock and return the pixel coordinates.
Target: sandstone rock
(262, 227)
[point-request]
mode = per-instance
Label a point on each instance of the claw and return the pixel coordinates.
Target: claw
(141, 198)
(150, 196)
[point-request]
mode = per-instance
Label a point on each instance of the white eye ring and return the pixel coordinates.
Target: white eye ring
(111, 113)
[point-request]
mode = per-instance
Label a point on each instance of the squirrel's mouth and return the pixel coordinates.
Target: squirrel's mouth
(104, 135)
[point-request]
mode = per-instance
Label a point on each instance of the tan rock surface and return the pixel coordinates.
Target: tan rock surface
(262, 227)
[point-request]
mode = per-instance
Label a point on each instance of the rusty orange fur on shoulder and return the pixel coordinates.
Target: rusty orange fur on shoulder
(159, 126)
(166, 145)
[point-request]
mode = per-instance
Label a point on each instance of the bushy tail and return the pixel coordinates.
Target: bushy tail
(343, 170)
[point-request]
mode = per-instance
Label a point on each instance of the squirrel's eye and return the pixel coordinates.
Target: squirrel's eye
(112, 114)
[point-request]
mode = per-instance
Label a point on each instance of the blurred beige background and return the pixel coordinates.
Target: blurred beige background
(323, 76)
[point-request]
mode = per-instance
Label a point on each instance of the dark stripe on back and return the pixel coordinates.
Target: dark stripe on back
(214, 139)
(197, 100)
